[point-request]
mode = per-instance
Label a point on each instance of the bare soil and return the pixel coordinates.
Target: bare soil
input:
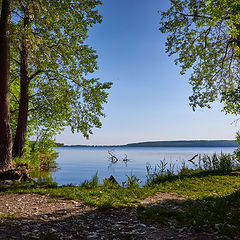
(33, 216)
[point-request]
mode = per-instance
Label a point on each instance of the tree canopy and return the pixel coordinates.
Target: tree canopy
(205, 35)
(49, 37)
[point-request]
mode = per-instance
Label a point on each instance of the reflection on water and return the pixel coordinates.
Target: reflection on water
(45, 175)
(42, 176)
(78, 164)
(113, 159)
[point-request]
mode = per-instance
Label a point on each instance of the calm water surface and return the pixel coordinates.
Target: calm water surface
(78, 163)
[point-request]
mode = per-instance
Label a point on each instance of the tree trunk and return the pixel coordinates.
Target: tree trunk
(21, 131)
(20, 136)
(5, 130)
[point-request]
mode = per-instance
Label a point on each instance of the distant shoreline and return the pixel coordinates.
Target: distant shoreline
(183, 143)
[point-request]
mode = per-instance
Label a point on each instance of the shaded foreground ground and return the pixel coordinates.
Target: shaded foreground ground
(34, 216)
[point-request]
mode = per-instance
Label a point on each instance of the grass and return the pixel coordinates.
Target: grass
(195, 187)
(102, 196)
(91, 193)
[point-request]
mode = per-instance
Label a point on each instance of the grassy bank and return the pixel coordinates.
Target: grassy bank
(212, 202)
(211, 197)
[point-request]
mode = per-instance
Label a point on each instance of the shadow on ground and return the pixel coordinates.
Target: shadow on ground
(76, 223)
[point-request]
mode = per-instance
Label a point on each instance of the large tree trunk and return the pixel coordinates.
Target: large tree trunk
(21, 131)
(20, 136)
(5, 130)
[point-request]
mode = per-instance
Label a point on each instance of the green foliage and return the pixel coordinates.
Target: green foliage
(61, 93)
(206, 37)
(37, 157)
(237, 151)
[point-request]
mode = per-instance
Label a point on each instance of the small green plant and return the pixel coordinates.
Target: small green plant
(94, 182)
(158, 172)
(132, 181)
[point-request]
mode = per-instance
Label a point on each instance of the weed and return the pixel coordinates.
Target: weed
(93, 183)
(158, 172)
(132, 182)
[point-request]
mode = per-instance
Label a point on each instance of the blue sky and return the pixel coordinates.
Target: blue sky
(149, 97)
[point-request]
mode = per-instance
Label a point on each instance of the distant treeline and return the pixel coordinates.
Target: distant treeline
(59, 144)
(191, 143)
(56, 144)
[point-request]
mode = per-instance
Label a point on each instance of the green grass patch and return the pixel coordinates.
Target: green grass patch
(110, 195)
(201, 187)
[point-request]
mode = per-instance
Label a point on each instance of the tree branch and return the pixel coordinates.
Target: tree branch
(34, 74)
(35, 108)
(193, 15)
(16, 99)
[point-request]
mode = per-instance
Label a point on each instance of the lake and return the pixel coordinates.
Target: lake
(77, 164)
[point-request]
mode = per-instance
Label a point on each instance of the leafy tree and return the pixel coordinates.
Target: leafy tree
(5, 130)
(50, 63)
(205, 35)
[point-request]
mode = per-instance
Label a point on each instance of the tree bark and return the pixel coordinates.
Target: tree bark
(21, 131)
(5, 130)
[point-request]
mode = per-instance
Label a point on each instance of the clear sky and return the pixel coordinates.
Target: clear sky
(149, 97)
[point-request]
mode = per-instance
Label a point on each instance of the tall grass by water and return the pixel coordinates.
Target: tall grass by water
(217, 163)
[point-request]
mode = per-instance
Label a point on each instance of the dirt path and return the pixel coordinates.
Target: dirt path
(33, 216)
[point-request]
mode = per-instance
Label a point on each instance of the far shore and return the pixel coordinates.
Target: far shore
(182, 143)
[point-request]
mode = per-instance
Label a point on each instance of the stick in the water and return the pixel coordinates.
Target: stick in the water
(191, 160)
